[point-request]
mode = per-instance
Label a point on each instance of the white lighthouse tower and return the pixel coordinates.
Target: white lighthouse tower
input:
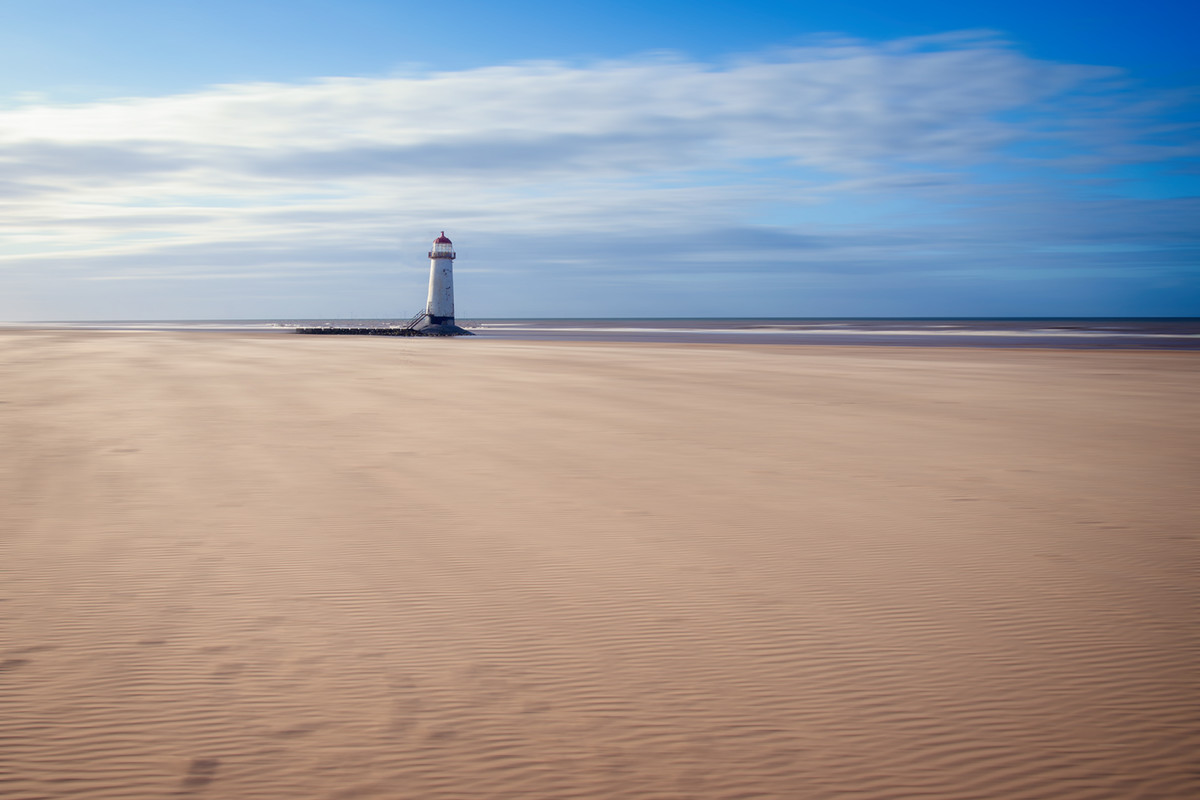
(439, 308)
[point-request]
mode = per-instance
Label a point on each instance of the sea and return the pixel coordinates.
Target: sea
(1158, 333)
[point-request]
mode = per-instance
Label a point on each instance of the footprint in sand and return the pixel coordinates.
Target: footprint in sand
(201, 772)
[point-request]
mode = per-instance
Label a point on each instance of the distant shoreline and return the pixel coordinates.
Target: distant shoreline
(1073, 333)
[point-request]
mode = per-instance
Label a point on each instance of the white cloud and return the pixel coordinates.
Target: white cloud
(264, 177)
(835, 106)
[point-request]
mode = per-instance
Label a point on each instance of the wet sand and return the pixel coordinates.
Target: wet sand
(275, 566)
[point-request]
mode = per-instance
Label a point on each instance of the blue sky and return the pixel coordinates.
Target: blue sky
(294, 159)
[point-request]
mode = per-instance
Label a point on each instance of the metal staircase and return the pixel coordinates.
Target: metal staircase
(412, 324)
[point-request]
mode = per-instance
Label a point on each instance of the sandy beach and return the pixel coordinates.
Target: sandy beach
(278, 566)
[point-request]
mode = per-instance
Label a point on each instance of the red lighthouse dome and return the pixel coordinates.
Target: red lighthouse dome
(442, 247)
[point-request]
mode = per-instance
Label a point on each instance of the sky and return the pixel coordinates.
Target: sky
(290, 160)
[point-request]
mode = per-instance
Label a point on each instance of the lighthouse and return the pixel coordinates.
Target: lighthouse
(439, 308)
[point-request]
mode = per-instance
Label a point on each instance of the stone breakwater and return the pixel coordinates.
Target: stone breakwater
(439, 330)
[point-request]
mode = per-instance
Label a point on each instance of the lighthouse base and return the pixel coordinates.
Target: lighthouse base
(441, 329)
(426, 324)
